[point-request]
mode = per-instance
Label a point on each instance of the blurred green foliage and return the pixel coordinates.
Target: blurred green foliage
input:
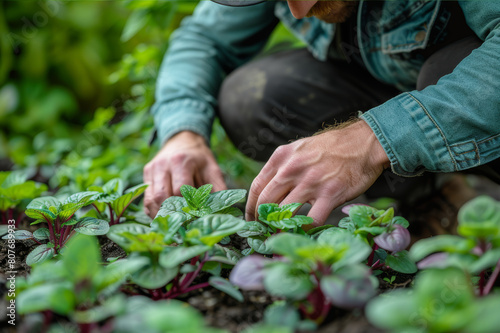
(77, 81)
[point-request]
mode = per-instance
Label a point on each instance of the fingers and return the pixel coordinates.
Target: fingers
(258, 185)
(321, 209)
(183, 173)
(213, 175)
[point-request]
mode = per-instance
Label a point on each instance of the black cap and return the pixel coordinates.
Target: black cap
(238, 3)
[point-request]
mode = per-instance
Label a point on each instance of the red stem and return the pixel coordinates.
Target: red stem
(96, 209)
(20, 216)
(372, 255)
(11, 215)
(492, 279)
(196, 286)
(111, 217)
(4, 217)
(52, 234)
(191, 276)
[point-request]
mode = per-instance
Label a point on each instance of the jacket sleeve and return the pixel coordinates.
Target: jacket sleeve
(213, 41)
(455, 124)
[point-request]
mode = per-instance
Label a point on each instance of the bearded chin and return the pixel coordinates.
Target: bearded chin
(333, 11)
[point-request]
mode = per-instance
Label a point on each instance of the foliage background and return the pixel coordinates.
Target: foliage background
(76, 84)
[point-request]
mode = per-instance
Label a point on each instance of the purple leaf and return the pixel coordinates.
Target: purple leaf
(346, 208)
(397, 240)
(248, 274)
(436, 260)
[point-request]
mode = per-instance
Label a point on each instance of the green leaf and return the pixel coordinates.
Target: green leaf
(81, 257)
(486, 318)
(442, 243)
(253, 228)
(188, 192)
(226, 287)
(362, 216)
(219, 200)
(42, 234)
(118, 271)
(171, 206)
(114, 186)
(173, 256)
(285, 280)
(401, 221)
(395, 310)
(401, 262)
(168, 225)
(215, 227)
(226, 255)
(487, 260)
(282, 314)
(354, 249)
(236, 212)
(315, 232)
(287, 244)
(110, 307)
(20, 234)
(40, 209)
(200, 196)
(40, 254)
(115, 232)
(120, 205)
(260, 244)
(265, 209)
(58, 297)
(92, 226)
(137, 20)
(479, 218)
(154, 276)
(74, 203)
(3, 230)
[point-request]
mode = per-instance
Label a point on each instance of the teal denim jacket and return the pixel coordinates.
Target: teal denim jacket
(451, 126)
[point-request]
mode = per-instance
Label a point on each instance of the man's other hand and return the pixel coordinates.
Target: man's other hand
(325, 170)
(184, 159)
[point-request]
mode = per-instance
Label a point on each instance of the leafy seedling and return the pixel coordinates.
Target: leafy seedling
(196, 203)
(113, 197)
(61, 222)
(477, 247)
(314, 273)
(442, 301)
(387, 235)
(76, 287)
(175, 255)
(272, 220)
(16, 191)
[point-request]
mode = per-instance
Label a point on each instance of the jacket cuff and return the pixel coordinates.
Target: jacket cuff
(412, 140)
(182, 115)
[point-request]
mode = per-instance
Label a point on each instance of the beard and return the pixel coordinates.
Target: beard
(335, 11)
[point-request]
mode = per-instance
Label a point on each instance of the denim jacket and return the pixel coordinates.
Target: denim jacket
(451, 126)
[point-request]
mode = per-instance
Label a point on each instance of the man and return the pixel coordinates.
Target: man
(426, 74)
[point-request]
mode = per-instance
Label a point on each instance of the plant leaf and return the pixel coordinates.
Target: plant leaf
(173, 256)
(173, 205)
(40, 209)
(81, 258)
(20, 234)
(446, 243)
(40, 254)
(401, 262)
(260, 244)
(58, 297)
(355, 248)
(215, 227)
(120, 205)
(225, 286)
(285, 280)
(41, 234)
(115, 231)
(154, 276)
(75, 202)
(114, 186)
(253, 228)
(219, 200)
(92, 226)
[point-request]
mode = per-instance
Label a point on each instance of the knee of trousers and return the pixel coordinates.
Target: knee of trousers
(245, 108)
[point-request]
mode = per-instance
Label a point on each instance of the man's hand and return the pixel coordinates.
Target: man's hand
(325, 170)
(185, 159)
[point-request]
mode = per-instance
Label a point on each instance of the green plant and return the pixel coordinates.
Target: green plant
(311, 273)
(477, 247)
(386, 234)
(61, 222)
(113, 197)
(15, 193)
(179, 246)
(442, 301)
(273, 219)
(76, 287)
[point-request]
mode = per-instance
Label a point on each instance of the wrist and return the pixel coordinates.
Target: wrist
(378, 154)
(186, 137)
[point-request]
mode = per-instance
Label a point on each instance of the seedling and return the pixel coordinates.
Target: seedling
(273, 219)
(77, 286)
(196, 203)
(16, 191)
(314, 273)
(386, 234)
(442, 301)
(61, 223)
(113, 197)
(476, 249)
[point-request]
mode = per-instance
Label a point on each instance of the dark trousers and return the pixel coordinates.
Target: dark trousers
(290, 95)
